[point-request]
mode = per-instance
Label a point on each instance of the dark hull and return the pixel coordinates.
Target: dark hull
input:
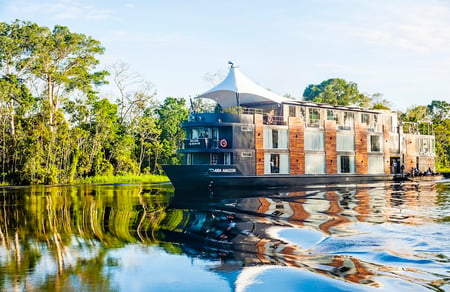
(204, 177)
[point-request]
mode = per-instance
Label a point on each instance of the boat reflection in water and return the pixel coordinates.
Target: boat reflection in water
(315, 230)
(383, 235)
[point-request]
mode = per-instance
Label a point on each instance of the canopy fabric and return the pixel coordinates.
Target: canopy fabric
(237, 89)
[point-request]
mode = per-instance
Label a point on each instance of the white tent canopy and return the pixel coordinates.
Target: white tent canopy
(237, 89)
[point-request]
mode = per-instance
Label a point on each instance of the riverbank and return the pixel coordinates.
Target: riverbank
(144, 178)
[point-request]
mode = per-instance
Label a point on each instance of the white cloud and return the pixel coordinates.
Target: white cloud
(422, 27)
(62, 10)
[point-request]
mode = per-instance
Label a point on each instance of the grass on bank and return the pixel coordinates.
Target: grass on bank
(143, 178)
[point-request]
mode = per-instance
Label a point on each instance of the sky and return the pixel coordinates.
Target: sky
(399, 48)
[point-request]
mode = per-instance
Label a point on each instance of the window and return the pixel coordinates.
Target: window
(227, 158)
(365, 119)
(198, 133)
(375, 143)
(276, 163)
(346, 164)
(314, 163)
(292, 111)
(214, 158)
(314, 117)
(314, 141)
(376, 164)
(348, 120)
(275, 138)
(331, 115)
(345, 142)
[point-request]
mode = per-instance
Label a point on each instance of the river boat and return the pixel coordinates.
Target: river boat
(257, 139)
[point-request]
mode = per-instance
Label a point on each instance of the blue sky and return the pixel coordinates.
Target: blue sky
(398, 48)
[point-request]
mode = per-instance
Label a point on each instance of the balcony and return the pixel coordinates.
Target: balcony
(200, 143)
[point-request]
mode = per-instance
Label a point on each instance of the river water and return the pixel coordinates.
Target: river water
(138, 237)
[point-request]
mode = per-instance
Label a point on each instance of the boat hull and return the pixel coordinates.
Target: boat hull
(204, 177)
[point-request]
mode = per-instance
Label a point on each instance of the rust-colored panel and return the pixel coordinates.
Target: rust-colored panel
(387, 151)
(361, 155)
(296, 146)
(330, 147)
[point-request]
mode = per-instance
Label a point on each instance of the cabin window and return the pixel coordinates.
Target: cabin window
(275, 138)
(387, 121)
(214, 159)
(349, 119)
(276, 163)
(394, 146)
(314, 163)
(198, 133)
(375, 143)
(314, 117)
(365, 118)
(189, 159)
(345, 142)
(314, 141)
(376, 164)
(246, 154)
(346, 164)
(227, 158)
(292, 111)
(331, 115)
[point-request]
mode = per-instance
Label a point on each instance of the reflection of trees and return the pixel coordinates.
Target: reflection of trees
(73, 227)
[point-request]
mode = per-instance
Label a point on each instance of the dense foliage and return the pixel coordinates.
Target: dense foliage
(54, 126)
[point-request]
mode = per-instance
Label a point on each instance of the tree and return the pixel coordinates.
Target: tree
(171, 113)
(378, 102)
(64, 62)
(335, 91)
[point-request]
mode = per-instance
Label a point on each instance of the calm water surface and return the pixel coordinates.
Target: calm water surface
(380, 237)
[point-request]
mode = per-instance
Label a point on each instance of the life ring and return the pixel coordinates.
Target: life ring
(269, 119)
(223, 143)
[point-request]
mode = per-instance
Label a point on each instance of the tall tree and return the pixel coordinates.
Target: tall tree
(171, 113)
(335, 91)
(64, 61)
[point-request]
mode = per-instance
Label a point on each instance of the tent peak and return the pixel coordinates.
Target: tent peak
(237, 89)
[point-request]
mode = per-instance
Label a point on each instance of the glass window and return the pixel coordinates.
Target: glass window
(275, 138)
(376, 164)
(276, 163)
(348, 120)
(331, 115)
(292, 111)
(375, 143)
(314, 163)
(314, 117)
(345, 142)
(314, 141)
(346, 164)
(227, 158)
(365, 119)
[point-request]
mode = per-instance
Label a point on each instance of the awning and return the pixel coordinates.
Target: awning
(237, 89)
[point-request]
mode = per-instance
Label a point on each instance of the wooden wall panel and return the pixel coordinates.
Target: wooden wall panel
(361, 155)
(259, 144)
(387, 151)
(410, 156)
(296, 146)
(330, 147)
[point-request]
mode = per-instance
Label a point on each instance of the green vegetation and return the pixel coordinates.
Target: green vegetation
(143, 178)
(56, 129)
